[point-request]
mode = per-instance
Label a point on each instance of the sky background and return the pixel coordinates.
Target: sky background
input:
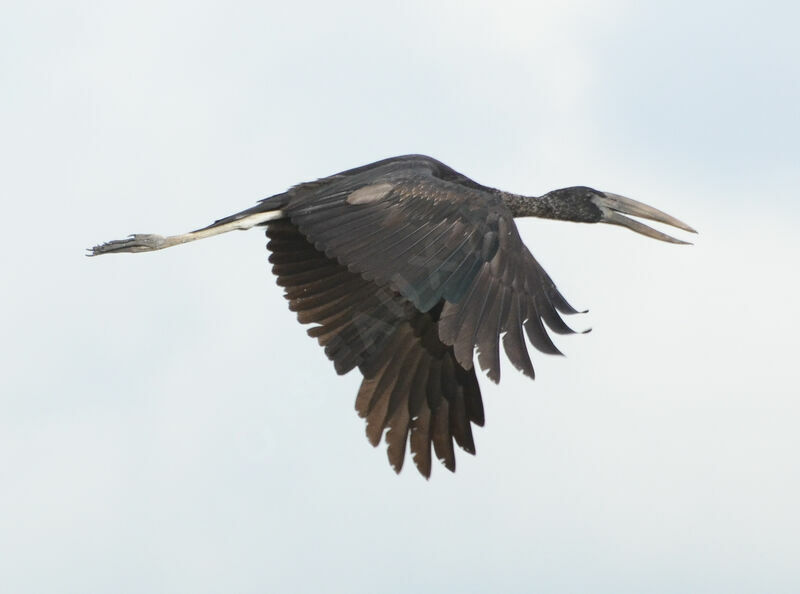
(167, 426)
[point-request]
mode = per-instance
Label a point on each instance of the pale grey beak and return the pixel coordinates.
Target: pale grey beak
(614, 207)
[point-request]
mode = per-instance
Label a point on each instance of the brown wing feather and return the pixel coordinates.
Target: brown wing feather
(413, 386)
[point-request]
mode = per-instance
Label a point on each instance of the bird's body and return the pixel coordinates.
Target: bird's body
(406, 267)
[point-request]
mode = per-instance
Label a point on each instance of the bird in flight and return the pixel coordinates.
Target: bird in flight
(407, 269)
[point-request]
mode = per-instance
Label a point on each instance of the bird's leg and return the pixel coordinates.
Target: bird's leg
(148, 242)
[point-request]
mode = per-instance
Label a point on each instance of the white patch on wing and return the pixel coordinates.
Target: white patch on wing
(369, 194)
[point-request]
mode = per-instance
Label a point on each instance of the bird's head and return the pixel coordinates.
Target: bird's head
(587, 205)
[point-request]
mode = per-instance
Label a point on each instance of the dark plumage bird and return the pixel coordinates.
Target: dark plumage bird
(406, 268)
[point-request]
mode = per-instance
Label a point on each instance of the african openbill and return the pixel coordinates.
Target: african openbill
(406, 267)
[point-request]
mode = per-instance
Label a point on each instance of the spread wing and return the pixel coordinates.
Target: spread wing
(412, 384)
(433, 236)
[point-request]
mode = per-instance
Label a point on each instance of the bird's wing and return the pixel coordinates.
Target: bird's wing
(417, 390)
(412, 385)
(430, 239)
(354, 317)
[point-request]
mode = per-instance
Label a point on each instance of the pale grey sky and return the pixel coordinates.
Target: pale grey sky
(167, 426)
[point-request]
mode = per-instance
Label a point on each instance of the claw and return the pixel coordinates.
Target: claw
(138, 242)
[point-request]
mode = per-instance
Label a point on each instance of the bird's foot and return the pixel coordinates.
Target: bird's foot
(140, 242)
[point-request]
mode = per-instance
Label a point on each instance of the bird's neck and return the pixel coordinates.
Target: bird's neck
(566, 204)
(531, 206)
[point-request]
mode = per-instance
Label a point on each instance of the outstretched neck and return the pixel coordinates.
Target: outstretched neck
(530, 206)
(567, 204)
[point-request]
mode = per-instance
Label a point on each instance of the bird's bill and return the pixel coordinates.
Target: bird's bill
(614, 208)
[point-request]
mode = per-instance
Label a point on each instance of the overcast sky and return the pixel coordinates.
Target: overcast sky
(167, 426)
